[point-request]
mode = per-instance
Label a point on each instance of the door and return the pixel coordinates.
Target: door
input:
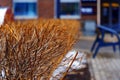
(110, 10)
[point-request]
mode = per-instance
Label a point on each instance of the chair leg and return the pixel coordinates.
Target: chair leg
(96, 51)
(93, 46)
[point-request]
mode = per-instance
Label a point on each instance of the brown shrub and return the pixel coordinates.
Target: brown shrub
(33, 49)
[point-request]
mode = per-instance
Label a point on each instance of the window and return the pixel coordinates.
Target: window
(69, 9)
(25, 9)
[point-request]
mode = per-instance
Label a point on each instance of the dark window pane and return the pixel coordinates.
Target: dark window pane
(20, 8)
(25, 9)
(69, 8)
(115, 15)
(105, 15)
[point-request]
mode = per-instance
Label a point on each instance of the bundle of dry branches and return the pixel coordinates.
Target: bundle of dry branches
(31, 50)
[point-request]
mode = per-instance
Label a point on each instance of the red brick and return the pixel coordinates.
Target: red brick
(6, 3)
(46, 8)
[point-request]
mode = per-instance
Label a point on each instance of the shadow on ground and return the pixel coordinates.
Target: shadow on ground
(82, 74)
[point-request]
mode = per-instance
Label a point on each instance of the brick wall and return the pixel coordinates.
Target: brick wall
(89, 17)
(6, 3)
(46, 8)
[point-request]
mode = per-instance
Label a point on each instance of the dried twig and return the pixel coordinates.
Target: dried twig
(69, 66)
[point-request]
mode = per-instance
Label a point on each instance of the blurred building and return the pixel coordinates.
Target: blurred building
(64, 9)
(106, 12)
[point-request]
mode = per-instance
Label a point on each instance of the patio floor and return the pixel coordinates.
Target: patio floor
(106, 65)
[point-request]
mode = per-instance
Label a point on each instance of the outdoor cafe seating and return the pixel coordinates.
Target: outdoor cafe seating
(100, 39)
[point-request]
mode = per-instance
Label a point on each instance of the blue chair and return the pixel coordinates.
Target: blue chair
(99, 41)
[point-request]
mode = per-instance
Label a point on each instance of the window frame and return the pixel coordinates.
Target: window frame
(25, 16)
(61, 16)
